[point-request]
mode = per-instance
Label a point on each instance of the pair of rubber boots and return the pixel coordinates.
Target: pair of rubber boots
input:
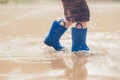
(78, 37)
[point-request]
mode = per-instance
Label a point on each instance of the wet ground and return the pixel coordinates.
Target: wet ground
(23, 55)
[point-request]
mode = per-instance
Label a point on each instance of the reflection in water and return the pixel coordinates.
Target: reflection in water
(25, 68)
(74, 67)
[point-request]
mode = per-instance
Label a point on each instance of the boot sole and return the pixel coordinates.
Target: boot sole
(64, 49)
(47, 44)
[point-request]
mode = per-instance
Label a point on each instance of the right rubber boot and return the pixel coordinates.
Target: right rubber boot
(79, 39)
(54, 35)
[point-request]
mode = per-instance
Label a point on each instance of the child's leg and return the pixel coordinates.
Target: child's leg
(68, 23)
(84, 25)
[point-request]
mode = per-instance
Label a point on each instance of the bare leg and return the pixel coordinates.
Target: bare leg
(68, 23)
(83, 25)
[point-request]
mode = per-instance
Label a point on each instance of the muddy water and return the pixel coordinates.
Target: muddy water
(23, 56)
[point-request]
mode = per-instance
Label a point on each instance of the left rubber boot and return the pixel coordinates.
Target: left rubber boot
(54, 35)
(79, 39)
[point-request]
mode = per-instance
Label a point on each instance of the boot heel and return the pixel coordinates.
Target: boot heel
(47, 43)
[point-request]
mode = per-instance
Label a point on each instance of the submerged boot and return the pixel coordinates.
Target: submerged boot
(79, 39)
(54, 35)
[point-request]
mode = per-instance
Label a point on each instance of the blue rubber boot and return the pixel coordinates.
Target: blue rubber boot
(54, 35)
(79, 39)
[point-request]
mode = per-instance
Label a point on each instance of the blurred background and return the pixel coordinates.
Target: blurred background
(33, 1)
